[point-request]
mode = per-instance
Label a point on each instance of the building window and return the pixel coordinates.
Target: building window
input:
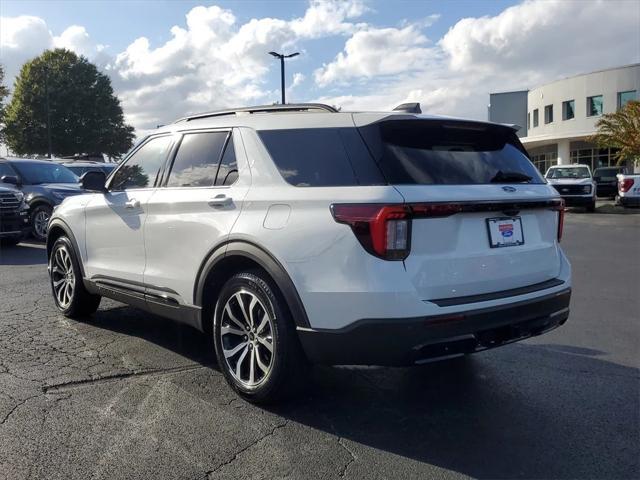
(528, 120)
(568, 109)
(548, 114)
(625, 97)
(594, 106)
(535, 118)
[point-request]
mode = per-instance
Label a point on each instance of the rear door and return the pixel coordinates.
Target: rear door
(200, 199)
(491, 228)
(115, 219)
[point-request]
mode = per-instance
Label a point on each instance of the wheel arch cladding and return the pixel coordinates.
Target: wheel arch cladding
(236, 256)
(57, 229)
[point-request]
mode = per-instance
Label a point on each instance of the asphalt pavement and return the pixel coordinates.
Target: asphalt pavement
(131, 395)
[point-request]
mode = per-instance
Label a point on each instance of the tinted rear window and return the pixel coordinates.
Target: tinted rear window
(321, 157)
(447, 153)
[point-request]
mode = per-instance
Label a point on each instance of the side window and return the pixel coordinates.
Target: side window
(228, 171)
(6, 170)
(196, 162)
(141, 169)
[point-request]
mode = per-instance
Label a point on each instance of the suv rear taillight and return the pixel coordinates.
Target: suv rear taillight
(383, 230)
(625, 184)
(560, 209)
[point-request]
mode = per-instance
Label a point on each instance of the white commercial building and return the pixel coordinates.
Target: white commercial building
(559, 117)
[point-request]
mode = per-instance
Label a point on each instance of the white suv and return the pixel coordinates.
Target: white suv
(296, 234)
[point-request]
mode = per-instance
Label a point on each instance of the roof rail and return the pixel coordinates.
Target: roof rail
(288, 107)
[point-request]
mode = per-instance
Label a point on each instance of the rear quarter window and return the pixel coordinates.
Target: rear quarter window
(321, 157)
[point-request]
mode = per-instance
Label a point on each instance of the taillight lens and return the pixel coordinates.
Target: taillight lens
(625, 184)
(383, 230)
(560, 209)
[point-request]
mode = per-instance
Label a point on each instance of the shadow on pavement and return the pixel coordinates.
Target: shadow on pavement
(522, 411)
(23, 254)
(174, 336)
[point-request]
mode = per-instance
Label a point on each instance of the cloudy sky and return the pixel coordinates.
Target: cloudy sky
(170, 58)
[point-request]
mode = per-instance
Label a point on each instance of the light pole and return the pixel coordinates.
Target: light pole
(282, 57)
(46, 90)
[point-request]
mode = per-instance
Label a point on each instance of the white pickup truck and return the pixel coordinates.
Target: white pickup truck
(628, 190)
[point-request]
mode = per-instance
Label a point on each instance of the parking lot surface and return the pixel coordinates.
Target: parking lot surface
(130, 395)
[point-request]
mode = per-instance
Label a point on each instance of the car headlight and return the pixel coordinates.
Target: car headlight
(586, 189)
(19, 196)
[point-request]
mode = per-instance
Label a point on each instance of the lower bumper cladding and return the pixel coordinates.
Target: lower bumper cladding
(409, 341)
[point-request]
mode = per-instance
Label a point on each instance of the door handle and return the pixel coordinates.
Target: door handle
(133, 203)
(220, 200)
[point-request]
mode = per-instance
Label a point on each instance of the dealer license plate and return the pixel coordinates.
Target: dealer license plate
(505, 232)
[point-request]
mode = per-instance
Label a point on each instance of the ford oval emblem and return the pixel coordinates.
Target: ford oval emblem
(509, 189)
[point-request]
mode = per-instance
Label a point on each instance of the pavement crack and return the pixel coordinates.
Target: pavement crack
(59, 387)
(241, 451)
(342, 472)
(16, 407)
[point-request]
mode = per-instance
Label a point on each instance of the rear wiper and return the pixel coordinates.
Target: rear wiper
(509, 177)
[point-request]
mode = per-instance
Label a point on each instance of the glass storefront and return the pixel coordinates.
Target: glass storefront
(544, 157)
(588, 154)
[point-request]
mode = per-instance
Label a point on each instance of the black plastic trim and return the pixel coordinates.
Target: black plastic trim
(57, 222)
(407, 341)
(263, 258)
(512, 292)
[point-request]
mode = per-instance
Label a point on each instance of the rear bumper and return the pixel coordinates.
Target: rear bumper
(407, 341)
(578, 201)
(629, 201)
(607, 190)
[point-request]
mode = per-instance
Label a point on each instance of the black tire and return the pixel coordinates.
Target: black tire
(35, 217)
(592, 207)
(287, 363)
(77, 302)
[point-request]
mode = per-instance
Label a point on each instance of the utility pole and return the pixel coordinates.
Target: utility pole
(282, 57)
(46, 90)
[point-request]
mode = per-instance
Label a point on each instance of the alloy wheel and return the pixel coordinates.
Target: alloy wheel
(41, 223)
(246, 336)
(62, 276)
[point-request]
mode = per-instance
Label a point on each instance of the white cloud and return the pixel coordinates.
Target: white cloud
(551, 36)
(22, 38)
(77, 39)
(377, 51)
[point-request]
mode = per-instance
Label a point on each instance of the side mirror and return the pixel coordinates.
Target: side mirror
(10, 179)
(94, 181)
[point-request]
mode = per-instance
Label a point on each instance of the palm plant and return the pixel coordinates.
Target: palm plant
(620, 130)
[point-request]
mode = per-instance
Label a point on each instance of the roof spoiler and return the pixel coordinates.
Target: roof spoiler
(408, 108)
(512, 126)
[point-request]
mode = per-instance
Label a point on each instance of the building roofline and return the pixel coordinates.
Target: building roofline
(630, 65)
(526, 90)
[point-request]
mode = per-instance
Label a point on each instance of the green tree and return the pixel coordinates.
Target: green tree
(86, 117)
(620, 130)
(4, 93)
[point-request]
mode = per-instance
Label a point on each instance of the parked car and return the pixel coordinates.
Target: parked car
(629, 190)
(606, 180)
(296, 233)
(575, 184)
(14, 216)
(81, 167)
(44, 184)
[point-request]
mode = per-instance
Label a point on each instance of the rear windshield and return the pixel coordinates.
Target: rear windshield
(426, 152)
(569, 172)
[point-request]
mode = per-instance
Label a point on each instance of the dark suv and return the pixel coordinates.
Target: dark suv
(607, 181)
(14, 216)
(44, 185)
